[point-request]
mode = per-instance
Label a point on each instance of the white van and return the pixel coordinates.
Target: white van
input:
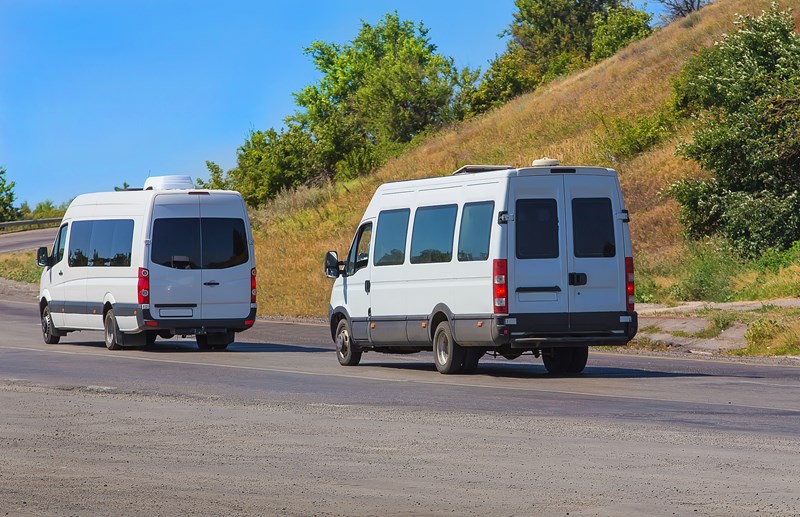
(167, 260)
(491, 259)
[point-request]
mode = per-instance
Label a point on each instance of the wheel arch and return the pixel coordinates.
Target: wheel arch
(439, 314)
(337, 315)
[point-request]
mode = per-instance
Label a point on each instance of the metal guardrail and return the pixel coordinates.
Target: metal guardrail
(32, 223)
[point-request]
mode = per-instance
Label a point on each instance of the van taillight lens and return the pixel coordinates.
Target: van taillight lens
(143, 287)
(500, 286)
(629, 288)
(253, 285)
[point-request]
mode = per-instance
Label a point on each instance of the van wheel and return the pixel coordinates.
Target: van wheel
(566, 360)
(215, 341)
(471, 357)
(150, 338)
(112, 332)
(447, 354)
(347, 352)
(48, 329)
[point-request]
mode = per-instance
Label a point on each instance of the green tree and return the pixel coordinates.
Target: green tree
(617, 28)
(745, 93)
(216, 179)
(376, 94)
(548, 38)
(124, 186)
(7, 210)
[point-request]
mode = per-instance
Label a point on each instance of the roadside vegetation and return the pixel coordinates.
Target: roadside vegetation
(20, 267)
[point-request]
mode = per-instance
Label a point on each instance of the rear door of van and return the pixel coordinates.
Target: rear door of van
(566, 251)
(226, 256)
(175, 258)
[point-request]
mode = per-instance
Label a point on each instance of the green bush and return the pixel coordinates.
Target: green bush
(707, 272)
(745, 95)
(624, 139)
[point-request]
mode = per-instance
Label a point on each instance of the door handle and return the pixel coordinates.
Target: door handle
(577, 279)
(366, 285)
(60, 273)
(212, 282)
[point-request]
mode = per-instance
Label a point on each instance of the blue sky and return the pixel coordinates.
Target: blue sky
(97, 92)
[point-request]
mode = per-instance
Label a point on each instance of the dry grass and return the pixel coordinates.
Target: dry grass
(562, 120)
(20, 266)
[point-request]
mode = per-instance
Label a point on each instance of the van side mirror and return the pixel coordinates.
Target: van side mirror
(42, 258)
(332, 265)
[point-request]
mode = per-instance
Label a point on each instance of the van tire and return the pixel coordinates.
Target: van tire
(471, 357)
(150, 338)
(48, 329)
(566, 360)
(347, 352)
(448, 356)
(112, 334)
(215, 341)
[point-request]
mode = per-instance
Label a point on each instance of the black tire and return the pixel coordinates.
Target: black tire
(202, 342)
(471, 357)
(113, 336)
(48, 329)
(347, 352)
(214, 341)
(150, 338)
(568, 360)
(447, 354)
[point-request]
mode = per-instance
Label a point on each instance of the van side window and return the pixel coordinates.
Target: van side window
(78, 254)
(100, 243)
(110, 243)
(432, 237)
(358, 257)
(390, 237)
(60, 244)
(537, 229)
(593, 227)
(476, 229)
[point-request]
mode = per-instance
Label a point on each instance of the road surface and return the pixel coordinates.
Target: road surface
(27, 240)
(276, 426)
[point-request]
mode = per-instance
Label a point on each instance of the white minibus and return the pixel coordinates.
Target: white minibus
(492, 259)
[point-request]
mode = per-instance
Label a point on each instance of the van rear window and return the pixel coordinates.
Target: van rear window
(537, 229)
(593, 227)
(192, 243)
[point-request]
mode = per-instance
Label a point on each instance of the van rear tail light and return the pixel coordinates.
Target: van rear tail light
(143, 287)
(500, 286)
(253, 285)
(629, 287)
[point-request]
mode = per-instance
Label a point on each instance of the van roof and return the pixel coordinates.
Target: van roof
(131, 202)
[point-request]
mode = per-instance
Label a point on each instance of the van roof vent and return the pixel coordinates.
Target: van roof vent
(469, 169)
(169, 183)
(545, 162)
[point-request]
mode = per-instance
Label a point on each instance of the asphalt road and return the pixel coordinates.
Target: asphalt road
(275, 426)
(27, 240)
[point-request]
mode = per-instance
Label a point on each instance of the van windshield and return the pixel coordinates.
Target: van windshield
(199, 243)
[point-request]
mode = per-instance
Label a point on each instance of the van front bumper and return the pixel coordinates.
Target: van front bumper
(181, 326)
(529, 331)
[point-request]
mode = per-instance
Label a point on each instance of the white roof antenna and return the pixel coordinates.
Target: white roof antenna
(546, 162)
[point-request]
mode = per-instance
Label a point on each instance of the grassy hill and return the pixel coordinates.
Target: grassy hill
(565, 120)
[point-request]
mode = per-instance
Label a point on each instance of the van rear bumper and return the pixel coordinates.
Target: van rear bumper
(565, 329)
(180, 326)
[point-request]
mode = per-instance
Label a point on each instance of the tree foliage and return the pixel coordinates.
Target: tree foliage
(745, 93)
(617, 28)
(376, 94)
(7, 210)
(549, 38)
